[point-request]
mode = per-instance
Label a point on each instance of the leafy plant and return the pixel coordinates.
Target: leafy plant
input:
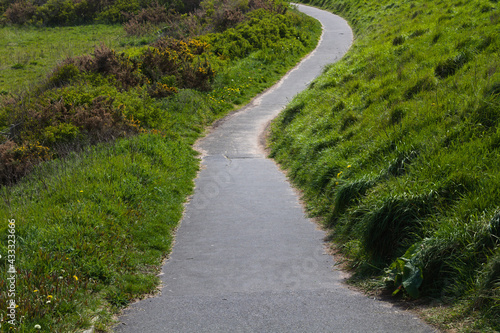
(405, 273)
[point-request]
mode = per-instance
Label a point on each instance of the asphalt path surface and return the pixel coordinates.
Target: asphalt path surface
(246, 258)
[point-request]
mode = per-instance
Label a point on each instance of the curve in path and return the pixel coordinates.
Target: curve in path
(246, 259)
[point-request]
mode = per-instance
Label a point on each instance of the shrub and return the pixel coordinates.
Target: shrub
(20, 12)
(263, 30)
(117, 11)
(135, 28)
(17, 161)
(198, 76)
(160, 90)
(146, 20)
(57, 12)
(175, 58)
(62, 126)
(107, 62)
(60, 133)
(275, 6)
(63, 74)
(225, 15)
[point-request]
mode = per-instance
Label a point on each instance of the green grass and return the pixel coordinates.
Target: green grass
(28, 53)
(93, 228)
(397, 148)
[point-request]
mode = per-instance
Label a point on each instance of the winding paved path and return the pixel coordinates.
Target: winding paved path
(246, 259)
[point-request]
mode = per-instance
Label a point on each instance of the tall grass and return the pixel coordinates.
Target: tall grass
(94, 227)
(397, 147)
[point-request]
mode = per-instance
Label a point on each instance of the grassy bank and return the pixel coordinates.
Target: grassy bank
(92, 228)
(396, 148)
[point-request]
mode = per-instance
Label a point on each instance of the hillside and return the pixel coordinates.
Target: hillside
(397, 149)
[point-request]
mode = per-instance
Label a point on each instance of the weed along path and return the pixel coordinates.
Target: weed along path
(246, 259)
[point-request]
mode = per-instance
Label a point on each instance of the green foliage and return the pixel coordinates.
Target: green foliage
(263, 31)
(64, 75)
(63, 132)
(56, 12)
(405, 273)
(413, 110)
(115, 11)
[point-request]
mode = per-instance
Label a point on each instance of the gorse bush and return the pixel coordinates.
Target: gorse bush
(47, 128)
(146, 20)
(263, 30)
(396, 146)
(210, 17)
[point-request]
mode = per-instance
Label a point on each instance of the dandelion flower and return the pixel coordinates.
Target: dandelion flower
(49, 296)
(349, 166)
(35, 290)
(76, 277)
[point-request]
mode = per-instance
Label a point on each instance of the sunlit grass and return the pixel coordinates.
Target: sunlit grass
(28, 53)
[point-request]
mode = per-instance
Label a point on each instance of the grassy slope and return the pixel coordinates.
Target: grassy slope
(92, 229)
(397, 146)
(28, 53)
